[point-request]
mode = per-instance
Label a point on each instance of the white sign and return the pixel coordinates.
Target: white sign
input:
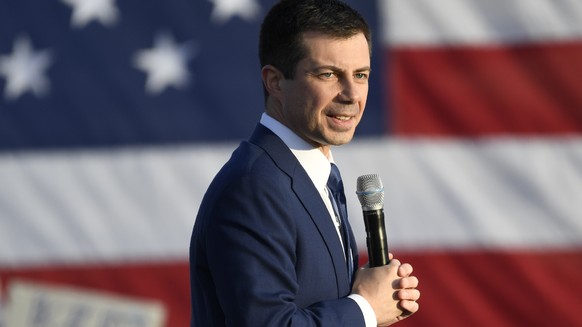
(1, 308)
(40, 305)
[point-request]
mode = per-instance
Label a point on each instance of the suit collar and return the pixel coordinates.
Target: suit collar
(308, 195)
(315, 163)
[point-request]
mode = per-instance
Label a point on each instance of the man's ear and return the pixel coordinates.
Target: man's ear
(272, 78)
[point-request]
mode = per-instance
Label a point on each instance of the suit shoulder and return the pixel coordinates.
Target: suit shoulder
(250, 161)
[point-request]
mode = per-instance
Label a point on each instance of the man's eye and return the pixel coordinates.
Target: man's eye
(361, 76)
(327, 75)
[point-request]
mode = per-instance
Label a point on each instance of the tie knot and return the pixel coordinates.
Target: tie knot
(335, 179)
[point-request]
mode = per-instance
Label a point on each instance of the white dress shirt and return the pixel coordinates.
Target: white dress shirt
(318, 168)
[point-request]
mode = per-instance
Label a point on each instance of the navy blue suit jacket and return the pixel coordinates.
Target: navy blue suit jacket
(264, 250)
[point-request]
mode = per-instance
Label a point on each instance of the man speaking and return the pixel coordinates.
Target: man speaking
(272, 245)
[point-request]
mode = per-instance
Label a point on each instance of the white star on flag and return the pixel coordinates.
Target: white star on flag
(24, 70)
(84, 11)
(226, 9)
(165, 63)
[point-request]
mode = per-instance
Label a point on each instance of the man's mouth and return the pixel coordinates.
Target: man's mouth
(343, 118)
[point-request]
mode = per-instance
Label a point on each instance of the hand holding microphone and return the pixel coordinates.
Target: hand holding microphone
(391, 289)
(370, 192)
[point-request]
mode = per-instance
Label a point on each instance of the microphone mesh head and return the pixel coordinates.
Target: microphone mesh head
(370, 192)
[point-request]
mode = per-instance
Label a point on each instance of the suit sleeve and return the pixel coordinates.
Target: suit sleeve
(251, 249)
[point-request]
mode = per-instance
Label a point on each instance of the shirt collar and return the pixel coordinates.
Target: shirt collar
(311, 158)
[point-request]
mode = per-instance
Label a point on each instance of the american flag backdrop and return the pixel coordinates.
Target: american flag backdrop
(116, 114)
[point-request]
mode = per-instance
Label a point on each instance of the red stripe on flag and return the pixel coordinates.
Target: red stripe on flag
(458, 288)
(164, 282)
(485, 90)
(497, 288)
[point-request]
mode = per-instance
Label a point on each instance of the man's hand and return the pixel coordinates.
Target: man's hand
(390, 290)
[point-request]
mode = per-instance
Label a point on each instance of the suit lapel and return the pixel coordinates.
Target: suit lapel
(309, 196)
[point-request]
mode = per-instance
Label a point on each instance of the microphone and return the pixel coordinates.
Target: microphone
(370, 192)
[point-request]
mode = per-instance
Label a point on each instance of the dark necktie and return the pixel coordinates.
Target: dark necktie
(338, 200)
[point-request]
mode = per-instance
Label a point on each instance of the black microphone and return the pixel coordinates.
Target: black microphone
(370, 192)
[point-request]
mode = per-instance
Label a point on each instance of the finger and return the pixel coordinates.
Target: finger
(408, 282)
(409, 295)
(409, 307)
(390, 256)
(404, 270)
(395, 262)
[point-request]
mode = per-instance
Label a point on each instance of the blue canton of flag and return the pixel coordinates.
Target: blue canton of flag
(95, 73)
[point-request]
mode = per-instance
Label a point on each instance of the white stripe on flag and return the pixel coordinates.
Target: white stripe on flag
(141, 203)
(493, 193)
(102, 205)
(429, 22)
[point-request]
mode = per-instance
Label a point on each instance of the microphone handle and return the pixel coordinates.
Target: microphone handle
(376, 238)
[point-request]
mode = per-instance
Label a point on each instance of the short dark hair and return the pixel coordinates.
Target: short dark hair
(280, 41)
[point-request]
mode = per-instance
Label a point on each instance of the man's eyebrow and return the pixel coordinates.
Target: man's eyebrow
(335, 68)
(364, 69)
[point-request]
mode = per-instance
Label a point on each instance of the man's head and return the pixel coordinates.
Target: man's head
(316, 63)
(281, 38)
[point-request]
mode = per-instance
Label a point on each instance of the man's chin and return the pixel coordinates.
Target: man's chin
(340, 139)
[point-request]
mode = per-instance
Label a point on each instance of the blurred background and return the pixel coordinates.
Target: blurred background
(116, 114)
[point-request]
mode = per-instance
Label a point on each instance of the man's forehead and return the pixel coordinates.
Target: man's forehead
(324, 50)
(311, 39)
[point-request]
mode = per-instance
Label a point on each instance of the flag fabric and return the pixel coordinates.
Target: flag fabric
(115, 116)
